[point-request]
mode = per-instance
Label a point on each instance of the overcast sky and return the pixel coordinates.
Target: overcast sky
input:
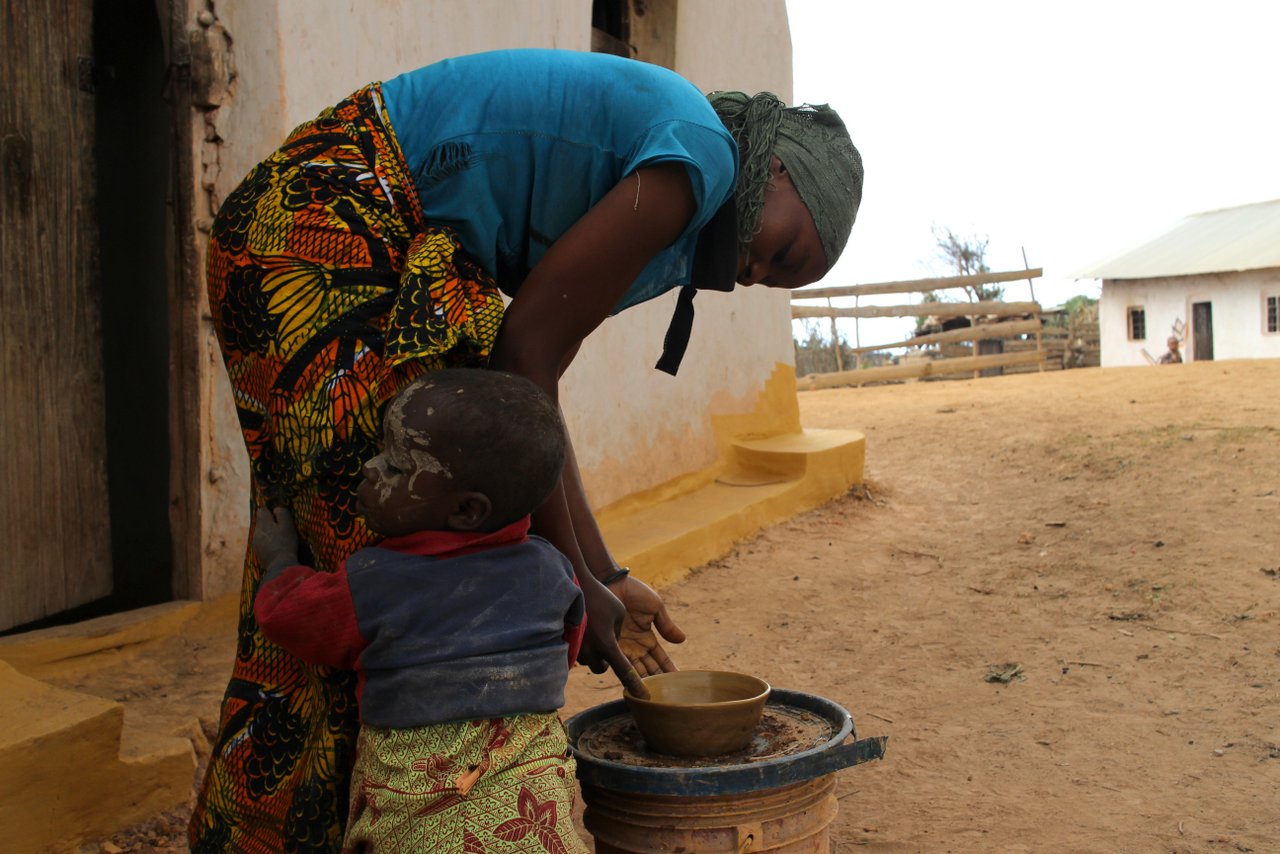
(1076, 130)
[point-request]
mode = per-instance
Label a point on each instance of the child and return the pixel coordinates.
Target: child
(460, 626)
(1172, 356)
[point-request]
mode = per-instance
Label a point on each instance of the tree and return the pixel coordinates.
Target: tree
(813, 354)
(816, 354)
(966, 256)
(1076, 303)
(921, 320)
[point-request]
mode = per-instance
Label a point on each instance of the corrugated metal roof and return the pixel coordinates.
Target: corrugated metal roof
(1223, 241)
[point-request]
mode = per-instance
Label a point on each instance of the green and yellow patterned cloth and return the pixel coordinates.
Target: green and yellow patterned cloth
(502, 786)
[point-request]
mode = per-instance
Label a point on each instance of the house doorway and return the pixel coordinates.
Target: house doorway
(1202, 331)
(132, 151)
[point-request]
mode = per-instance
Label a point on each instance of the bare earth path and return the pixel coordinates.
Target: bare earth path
(1116, 533)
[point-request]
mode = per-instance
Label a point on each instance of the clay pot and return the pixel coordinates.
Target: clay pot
(699, 712)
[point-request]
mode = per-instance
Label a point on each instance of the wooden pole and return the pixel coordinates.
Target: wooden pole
(835, 339)
(993, 308)
(936, 368)
(1003, 329)
(975, 346)
(1030, 283)
(1039, 318)
(915, 285)
(1040, 340)
(857, 340)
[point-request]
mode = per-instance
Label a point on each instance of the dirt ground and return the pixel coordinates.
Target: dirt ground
(1113, 533)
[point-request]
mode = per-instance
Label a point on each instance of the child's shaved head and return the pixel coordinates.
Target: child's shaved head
(488, 431)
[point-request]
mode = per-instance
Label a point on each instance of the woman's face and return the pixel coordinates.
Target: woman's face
(786, 252)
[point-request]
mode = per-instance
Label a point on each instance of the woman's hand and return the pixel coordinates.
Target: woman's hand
(645, 612)
(601, 650)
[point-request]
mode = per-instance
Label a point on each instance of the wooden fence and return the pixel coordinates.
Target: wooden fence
(1016, 325)
(1068, 340)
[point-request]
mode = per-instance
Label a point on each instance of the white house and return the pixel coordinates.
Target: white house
(1213, 282)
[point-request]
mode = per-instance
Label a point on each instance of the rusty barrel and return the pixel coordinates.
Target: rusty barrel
(782, 805)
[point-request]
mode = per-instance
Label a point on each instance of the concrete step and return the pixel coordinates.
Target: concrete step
(71, 771)
(761, 482)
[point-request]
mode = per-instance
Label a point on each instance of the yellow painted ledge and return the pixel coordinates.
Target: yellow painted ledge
(71, 772)
(769, 470)
(45, 652)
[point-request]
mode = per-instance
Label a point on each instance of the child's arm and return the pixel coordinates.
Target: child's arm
(275, 541)
(310, 614)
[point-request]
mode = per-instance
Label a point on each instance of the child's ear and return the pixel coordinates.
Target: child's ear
(470, 511)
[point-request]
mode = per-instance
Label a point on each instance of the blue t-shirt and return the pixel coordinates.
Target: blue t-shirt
(511, 148)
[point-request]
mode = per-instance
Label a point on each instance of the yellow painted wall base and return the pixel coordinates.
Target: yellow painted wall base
(70, 772)
(769, 470)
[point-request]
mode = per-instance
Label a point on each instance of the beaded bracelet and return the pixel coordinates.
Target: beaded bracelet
(617, 575)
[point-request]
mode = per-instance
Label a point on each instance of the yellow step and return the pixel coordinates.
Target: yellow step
(762, 482)
(71, 771)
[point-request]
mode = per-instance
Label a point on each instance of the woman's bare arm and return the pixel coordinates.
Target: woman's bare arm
(646, 612)
(568, 294)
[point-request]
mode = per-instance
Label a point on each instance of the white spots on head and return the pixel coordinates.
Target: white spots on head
(395, 416)
(379, 463)
(425, 461)
(399, 431)
(422, 437)
(431, 410)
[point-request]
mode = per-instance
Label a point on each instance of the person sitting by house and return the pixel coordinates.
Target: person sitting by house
(460, 625)
(1172, 357)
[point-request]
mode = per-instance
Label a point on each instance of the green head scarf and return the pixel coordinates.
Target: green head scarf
(812, 142)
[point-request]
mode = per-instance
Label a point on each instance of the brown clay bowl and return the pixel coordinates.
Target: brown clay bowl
(699, 712)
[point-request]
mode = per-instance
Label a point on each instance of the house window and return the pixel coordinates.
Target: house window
(1271, 314)
(1137, 323)
(611, 27)
(638, 29)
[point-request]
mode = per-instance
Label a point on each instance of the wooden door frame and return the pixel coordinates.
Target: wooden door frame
(187, 420)
(1194, 328)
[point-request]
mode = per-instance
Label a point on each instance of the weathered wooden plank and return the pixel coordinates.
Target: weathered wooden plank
(653, 32)
(984, 332)
(190, 352)
(924, 368)
(991, 308)
(912, 286)
(53, 524)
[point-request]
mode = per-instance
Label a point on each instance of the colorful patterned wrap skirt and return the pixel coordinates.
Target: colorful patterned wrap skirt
(329, 294)
(502, 786)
